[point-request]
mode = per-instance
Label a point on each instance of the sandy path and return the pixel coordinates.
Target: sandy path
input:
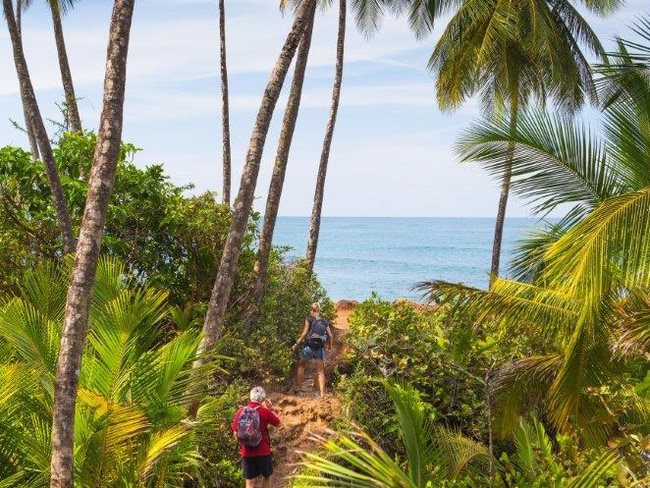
(306, 414)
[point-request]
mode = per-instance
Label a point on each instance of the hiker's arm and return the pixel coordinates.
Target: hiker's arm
(330, 338)
(305, 330)
(273, 418)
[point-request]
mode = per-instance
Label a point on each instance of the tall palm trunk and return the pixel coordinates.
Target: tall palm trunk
(100, 187)
(314, 227)
(29, 128)
(503, 197)
(243, 204)
(34, 116)
(258, 283)
(72, 110)
(225, 104)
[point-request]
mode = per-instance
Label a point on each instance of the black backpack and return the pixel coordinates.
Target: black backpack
(317, 335)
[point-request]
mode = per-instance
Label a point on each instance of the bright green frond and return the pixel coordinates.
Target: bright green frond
(594, 474)
(459, 454)
(32, 336)
(369, 465)
(159, 445)
(613, 240)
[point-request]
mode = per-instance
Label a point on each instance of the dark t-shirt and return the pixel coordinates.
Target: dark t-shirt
(311, 319)
(267, 417)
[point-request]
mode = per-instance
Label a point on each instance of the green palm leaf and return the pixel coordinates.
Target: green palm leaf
(554, 163)
(120, 333)
(356, 460)
(515, 305)
(159, 446)
(592, 477)
(32, 336)
(613, 239)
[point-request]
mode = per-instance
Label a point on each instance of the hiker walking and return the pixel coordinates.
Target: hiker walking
(251, 428)
(316, 335)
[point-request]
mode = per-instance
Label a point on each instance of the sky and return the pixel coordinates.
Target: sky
(393, 149)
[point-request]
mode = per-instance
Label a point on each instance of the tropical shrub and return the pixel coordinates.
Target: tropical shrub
(163, 237)
(405, 342)
(130, 427)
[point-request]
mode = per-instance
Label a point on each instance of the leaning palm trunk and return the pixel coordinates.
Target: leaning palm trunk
(314, 229)
(101, 183)
(225, 110)
(258, 284)
(35, 121)
(503, 198)
(29, 130)
(232, 249)
(29, 127)
(72, 110)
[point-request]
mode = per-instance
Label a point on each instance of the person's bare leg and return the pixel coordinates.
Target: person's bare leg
(266, 482)
(320, 365)
(250, 483)
(300, 374)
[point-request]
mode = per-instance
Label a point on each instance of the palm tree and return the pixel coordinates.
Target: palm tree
(258, 283)
(243, 204)
(319, 192)
(100, 187)
(225, 111)
(130, 429)
(588, 303)
(57, 9)
(509, 53)
(30, 105)
(559, 164)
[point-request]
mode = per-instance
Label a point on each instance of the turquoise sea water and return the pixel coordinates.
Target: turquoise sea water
(359, 255)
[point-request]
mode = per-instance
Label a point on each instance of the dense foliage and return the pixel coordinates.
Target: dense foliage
(160, 257)
(163, 237)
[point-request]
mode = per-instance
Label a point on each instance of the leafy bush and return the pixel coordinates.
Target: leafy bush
(405, 342)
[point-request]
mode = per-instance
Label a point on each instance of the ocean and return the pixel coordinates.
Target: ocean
(388, 255)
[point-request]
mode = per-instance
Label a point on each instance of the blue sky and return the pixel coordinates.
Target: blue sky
(393, 149)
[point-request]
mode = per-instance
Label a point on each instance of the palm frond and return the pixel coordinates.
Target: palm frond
(594, 474)
(519, 385)
(158, 446)
(33, 336)
(164, 380)
(353, 459)
(120, 332)
(613, 239)
(554, 162)
(527, 261)
(511, 304)
(458, 454)
(415, 431)
(45, 289)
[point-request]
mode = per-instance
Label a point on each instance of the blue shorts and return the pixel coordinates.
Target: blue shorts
(308, 353)
(257, 465)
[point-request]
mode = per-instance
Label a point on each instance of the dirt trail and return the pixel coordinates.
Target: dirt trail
(305, 414)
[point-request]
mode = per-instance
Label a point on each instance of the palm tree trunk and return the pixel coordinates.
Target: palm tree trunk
(72, 110)
(314, 228)
(244, 202)
(101, 184)
(29, 128)
(34, 115)
(503, 198)
(258, 283)
(225, 110)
